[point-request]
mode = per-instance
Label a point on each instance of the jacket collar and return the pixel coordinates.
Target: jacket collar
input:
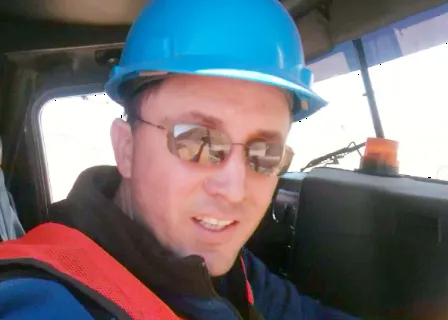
(90, 209)
(126, 240)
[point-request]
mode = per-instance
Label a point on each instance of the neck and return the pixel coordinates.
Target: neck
(123, 199)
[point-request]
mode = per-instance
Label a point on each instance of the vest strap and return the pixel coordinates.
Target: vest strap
(74, 254)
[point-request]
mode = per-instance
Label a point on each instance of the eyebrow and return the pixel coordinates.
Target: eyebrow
(215, 123)
(203, 119)
(267, 135)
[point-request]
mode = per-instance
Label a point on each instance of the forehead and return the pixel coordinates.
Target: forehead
(236, 104)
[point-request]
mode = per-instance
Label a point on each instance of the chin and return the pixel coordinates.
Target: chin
(219, 265)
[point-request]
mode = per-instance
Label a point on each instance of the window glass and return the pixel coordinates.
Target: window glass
(75, 132)
(411, 90)
(344, 120)
(408, 66)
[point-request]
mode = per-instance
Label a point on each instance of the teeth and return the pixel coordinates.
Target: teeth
(210, 226)
(212, 223)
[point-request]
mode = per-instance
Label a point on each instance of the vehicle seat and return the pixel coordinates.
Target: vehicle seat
(10, 226)
(373, 246)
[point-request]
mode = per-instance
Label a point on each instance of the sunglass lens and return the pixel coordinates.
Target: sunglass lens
(199, 144)
(265, 157)
(196, 143)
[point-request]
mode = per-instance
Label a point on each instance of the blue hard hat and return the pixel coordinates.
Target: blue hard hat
(255, 40)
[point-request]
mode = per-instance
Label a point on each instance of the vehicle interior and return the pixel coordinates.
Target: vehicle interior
(370, 243)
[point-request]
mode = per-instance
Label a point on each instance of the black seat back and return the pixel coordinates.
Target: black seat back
(373, 246)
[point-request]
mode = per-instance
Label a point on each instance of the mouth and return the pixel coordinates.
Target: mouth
(213, 224)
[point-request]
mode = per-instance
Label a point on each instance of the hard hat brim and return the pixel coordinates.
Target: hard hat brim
(221, 67)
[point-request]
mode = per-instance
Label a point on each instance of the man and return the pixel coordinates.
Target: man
(210, 89)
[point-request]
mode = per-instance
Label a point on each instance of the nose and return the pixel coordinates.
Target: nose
(229, 179)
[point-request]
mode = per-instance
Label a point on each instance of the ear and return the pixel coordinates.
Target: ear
(122, 143)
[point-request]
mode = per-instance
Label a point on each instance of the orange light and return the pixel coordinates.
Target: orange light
(382, 151)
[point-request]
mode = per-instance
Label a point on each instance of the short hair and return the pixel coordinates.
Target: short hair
(134, 97)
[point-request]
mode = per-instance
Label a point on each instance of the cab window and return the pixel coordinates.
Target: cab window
(344, 121)
(407, 65)
(75, 133)
(411, 90)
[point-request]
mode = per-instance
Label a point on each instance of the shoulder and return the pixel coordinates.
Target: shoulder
(26, 298)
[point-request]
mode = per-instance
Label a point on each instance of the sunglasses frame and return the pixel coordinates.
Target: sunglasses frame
(279, 170)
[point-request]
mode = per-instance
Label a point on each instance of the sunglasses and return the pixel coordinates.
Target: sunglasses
(198, 144)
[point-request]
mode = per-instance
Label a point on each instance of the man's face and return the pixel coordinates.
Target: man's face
(172, 195)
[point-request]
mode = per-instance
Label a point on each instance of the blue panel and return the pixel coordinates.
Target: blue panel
(382, 45)
(426, 15)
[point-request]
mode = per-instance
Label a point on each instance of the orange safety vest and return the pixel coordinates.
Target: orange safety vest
(72, 253)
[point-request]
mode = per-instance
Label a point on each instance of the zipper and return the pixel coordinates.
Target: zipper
(218, 297)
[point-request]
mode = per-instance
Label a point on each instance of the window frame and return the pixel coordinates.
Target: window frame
(35, 141)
